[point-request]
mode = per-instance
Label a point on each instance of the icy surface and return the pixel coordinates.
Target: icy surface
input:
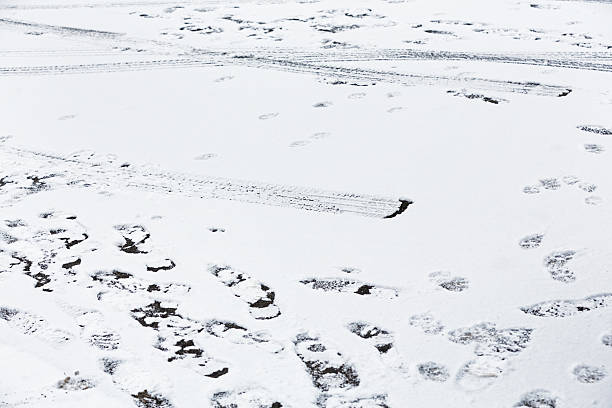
(305, 203)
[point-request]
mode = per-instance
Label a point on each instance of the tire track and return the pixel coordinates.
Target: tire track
(104, 67)
(341, 74)
(64, 30)
(370, 75)
(116, 4)
(310, 63)
(557, 60)
(107, 175)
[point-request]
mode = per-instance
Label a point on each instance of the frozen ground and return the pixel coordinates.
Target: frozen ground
(334, 203)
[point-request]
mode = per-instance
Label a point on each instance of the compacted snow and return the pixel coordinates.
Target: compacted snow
(306, 203)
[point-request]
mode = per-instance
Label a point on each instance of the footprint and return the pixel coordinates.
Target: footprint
(327, 367)
(266, 116)
(258, 296)
(570, 307)
(588, 187)
(241, 335)
(481, 97)
(550, 183)
(450, 283)
(531, 189)
(244, 398)
(7, 238)
(357, 95)
(555, 263)
(606, 340)
(324, 104)
(593, 200)
(379, 338)
(32, 325)
(595, 129)
(96, 333)
(493, 348)
(224, 78)
(176, 337)
(537, 399)
(492, 341)
(75, 383)
(15, 223)
(48, 394)
(480, 372)
(127, 282)
(299, 143)
(426, 323)
(570, 180)
(135, 237)
(320, 135)
(313, 137)
(341, 285)
(161, 265)
(594, 148)
(339, 401)
(531, 241)
(433, 371)
(206, 156)
(109, 365)
(395, 109)
(589, 374)
(145, 399)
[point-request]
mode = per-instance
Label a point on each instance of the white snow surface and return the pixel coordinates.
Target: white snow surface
(306, 203)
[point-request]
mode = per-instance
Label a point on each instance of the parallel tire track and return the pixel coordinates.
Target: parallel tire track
(63, 29)
(103, 67)
(117, 178)
(581, 61)
(328, 71)
(370, 75)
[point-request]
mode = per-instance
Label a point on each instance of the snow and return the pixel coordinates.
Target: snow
(305, 203)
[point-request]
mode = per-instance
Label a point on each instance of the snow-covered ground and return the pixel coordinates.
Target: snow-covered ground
(311, 203)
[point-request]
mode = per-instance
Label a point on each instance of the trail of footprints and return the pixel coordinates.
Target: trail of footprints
(554, 183)
(557, 265)
(180, 337)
